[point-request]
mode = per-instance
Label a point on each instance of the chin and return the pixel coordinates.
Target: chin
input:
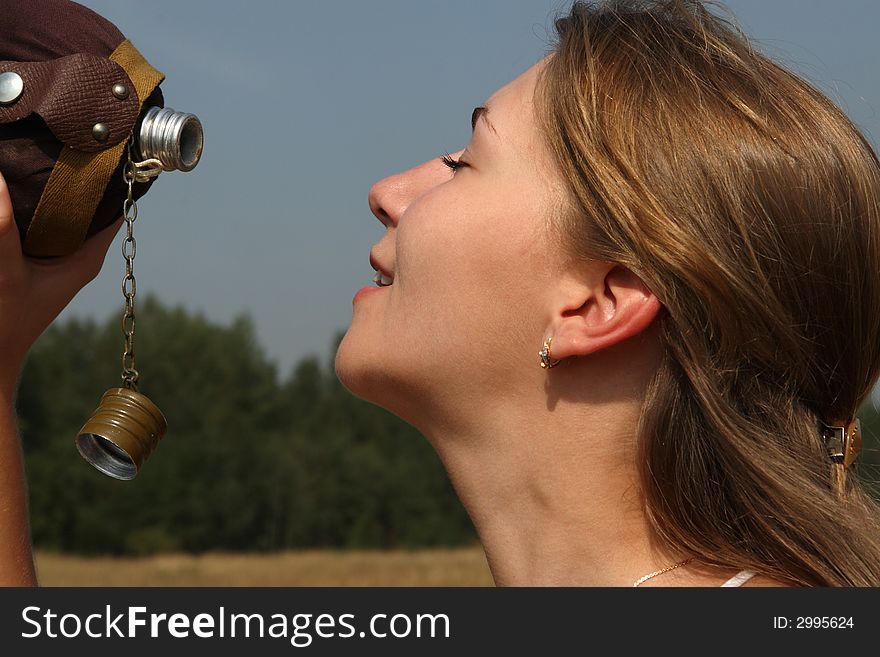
(359, 368)
(369, 374)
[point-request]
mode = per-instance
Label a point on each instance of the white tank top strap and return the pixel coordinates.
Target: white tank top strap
(740, 578)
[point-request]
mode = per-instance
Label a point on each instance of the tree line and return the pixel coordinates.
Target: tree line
(253, 461)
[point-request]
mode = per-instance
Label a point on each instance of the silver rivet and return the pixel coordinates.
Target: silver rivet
(100, 132)
(11, 87)
(120, 91)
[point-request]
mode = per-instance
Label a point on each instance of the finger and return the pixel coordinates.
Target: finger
(55, 281)
(61, 278)
(87, 263)
(10, 242)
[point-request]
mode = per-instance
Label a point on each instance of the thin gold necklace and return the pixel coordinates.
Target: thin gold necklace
(642, 580)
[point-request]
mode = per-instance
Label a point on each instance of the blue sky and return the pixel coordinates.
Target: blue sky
(306, 104)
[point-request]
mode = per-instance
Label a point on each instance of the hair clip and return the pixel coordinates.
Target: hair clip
(843, 440)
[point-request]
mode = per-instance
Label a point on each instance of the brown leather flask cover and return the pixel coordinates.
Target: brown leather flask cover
(64, 55)
(72, 94)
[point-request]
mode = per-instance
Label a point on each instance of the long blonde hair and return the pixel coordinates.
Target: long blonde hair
(750, 205)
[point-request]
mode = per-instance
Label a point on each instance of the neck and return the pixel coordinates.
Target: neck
(552, 489)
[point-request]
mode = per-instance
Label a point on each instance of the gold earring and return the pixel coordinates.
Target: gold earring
(546, 361)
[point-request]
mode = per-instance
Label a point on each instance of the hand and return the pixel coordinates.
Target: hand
(34, 291)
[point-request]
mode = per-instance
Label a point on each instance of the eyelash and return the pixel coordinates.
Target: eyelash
(454, 165)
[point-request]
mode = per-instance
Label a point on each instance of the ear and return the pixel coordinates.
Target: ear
(608, 306)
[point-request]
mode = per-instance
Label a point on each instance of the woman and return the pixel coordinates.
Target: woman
(693, 235)
(620, 314)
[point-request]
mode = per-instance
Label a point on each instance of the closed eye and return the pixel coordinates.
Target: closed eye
(453, 164)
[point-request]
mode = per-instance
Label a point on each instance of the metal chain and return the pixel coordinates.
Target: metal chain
(129, 283)
(134, 172)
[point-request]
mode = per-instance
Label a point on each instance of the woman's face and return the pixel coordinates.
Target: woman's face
(471, 258)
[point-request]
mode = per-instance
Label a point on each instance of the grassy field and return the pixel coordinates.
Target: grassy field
(439, 567)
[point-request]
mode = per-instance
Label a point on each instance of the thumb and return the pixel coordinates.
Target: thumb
(10, 242)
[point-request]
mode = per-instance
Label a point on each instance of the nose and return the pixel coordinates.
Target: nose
(390, 197)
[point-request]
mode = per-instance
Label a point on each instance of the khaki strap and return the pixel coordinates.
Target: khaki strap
(78, 180)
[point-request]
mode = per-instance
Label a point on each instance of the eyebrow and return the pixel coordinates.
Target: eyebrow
(481, 112)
